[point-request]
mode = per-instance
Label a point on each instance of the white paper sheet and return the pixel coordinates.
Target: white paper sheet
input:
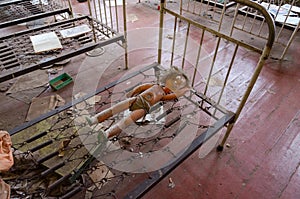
(45, 42)
(37, 2)
(76, 31)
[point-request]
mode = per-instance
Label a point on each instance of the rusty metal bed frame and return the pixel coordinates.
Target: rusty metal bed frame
(286, 30)
(251, 22)
(17, 55)
(70, 157)
(19, 11)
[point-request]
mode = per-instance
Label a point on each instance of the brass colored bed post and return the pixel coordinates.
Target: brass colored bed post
(281, 29)
(185, 44)
(265, 54)
(91, 15)
(246, 95)
(161, 26)
(71, 9)
(289, 42)
(180, 7)
(95, 10)
(117, 16)
(125, 34)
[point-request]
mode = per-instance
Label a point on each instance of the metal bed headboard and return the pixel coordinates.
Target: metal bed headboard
(222, 41)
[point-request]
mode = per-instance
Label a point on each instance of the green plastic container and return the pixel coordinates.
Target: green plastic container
(60, 81)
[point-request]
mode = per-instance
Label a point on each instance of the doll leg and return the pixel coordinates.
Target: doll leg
(130, 119)
(107, 113)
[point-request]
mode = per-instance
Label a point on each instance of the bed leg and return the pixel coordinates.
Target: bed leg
(221, 146)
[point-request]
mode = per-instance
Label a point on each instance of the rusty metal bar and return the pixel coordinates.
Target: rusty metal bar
(198, 58)
(38, 147)
(185, 45)
(173, 42)
(212, 65)
(47, 157)
(52, 169)
(125, 33)
(31, 11)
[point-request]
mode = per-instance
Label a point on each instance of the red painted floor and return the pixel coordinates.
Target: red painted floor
(263, 154)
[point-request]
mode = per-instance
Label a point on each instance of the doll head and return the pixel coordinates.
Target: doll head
(175, 79)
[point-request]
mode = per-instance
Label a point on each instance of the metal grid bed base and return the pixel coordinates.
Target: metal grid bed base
(20, 11)
(84, 157)
(17, 56)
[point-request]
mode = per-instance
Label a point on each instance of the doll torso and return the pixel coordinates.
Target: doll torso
(148, 98)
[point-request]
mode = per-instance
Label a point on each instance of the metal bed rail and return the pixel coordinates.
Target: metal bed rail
(50, 130)
(112, 14)
(18, 56)
(220, 42)
(249, 22)
(19, 11)
(287, 20)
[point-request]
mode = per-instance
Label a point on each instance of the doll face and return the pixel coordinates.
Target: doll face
(176, 82)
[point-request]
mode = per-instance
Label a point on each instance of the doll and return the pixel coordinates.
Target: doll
(172, 85)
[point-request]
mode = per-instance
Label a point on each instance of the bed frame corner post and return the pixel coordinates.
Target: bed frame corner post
(161, 25)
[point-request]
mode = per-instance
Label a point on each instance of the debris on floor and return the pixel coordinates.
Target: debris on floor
(54, 70)
(31, 80)
(63, 145)
(169, 36)
(96, 52)
(60, 81)
(42, 105)
(132, 18)
(28, 86)
(5, 86)
(271, 91)
(27, 95)
(91, 101)
(171, 183)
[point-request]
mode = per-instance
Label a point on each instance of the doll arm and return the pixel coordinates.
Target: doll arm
(139, 89)
(177, 94)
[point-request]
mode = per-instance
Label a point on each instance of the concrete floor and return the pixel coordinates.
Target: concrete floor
(262, 158)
